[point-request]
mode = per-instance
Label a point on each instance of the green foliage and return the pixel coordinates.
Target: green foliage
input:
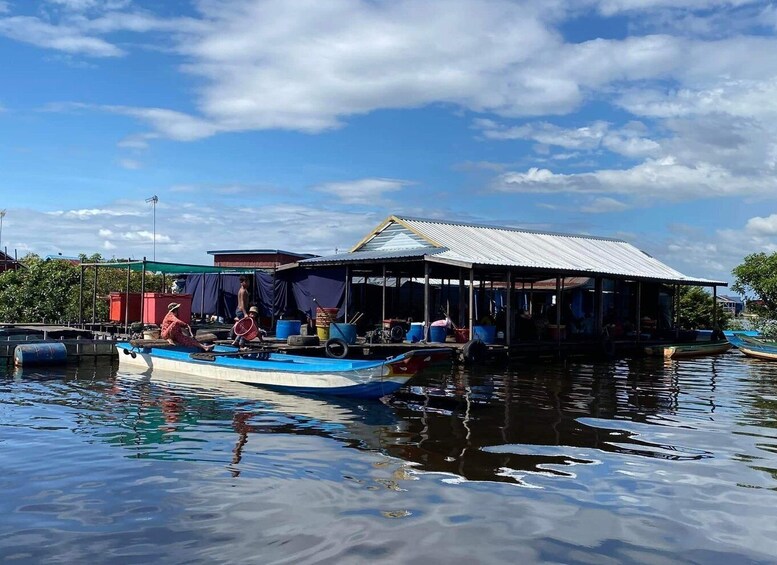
(696, 309)
(757, 276)
(49, 290)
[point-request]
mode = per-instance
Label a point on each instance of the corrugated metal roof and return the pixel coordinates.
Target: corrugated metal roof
(511, 247)
(373, 256)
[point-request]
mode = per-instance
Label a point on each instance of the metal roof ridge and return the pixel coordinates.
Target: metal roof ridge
(507, 228)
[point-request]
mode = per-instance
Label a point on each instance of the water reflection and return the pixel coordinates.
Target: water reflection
(637, 460)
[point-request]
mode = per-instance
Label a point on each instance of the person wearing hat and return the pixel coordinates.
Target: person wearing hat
(253, 313)
(173, 330)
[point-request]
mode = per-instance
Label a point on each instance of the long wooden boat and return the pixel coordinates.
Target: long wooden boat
(756, 348)
(688, 350)
(293, 373)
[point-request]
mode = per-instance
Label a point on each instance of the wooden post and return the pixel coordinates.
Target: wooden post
(639, 310)
(509, 317)
(715, 307)
(202, 299)
(462, 303)
(126, 303)
(383, 302)
(471, 303)
(81, 297)
(143, 291)
(347, 291)
(94, 297)
(598, 306)
(558, 311)
(427, 305)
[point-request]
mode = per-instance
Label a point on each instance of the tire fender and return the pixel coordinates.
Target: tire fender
(474, 351)
(336, 348)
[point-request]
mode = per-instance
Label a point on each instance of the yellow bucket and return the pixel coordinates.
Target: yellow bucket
(323, 333)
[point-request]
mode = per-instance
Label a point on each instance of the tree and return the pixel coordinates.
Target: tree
(696, 309)
(49, 290)
(758, 276)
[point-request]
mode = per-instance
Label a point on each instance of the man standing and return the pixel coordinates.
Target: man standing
(242, 299)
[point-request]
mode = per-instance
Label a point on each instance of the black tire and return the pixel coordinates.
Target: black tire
(397, 333)
(336, 348)
(303, 340)
(474, 352)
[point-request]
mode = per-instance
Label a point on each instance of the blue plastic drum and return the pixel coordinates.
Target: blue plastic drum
(437, 334)
(285, 328)
(415, 333)
(346, 332)
(40, 354)
(486, 334)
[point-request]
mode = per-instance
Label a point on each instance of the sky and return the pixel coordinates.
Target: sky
(302, 124)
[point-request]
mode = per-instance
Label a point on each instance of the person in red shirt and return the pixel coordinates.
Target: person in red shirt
(173, 330)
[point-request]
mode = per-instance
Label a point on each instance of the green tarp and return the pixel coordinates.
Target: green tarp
(169, 268)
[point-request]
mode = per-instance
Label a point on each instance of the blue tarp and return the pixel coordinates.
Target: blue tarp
(289, 294)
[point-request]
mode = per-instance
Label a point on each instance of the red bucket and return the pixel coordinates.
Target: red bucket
(246, 328)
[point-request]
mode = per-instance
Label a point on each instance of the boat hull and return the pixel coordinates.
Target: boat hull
(688, 350)
(350, 378)
(756, 348)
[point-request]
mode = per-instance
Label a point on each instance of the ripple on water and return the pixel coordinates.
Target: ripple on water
(636, 460)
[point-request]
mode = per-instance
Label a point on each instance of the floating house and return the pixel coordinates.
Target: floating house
(472, 272)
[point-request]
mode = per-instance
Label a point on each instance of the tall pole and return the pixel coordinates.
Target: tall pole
(153, 200)
(2, 215)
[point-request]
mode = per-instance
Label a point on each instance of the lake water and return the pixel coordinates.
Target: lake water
(632, 461)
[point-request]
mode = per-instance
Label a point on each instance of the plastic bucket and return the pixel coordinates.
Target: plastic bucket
(415, 333)
(285, 328)
(486, 334)
(325, 316)
(437, 334)
(246, 328)
(346, 332)
(40, 354)
(322, 333)
(461, 335)
(152, 334)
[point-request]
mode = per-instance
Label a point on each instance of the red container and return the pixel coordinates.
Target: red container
(155, 307)
(118, 306)
(461, 335)
(246, 328)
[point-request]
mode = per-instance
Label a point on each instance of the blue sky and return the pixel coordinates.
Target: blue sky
(301, 124)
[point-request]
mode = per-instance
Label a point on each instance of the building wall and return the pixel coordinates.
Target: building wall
(253, 260)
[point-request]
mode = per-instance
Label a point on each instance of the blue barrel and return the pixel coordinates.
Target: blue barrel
(285, 328)
(437, 334)
(40, 354)
(486, 334)
(415, 333)
(346, 332)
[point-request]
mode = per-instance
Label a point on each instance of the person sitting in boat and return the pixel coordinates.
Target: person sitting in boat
(253, 313)
(174, 330)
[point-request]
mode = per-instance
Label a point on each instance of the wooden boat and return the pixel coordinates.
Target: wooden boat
(756, 348)
(293, 373)
(688, 350)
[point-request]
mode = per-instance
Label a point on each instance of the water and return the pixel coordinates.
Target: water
(632, 461)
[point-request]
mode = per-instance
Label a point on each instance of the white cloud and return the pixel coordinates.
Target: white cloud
(105, 232)
(362, 191)
(604, 205)
(628, 140)
(86, 213)
(612, 7)
(60, 38)
(655, 178)
(763, 226)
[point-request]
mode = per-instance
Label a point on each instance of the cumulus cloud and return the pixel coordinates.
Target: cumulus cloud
(58, 37)
(763, 226)
(362, 191)
(655, 178)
